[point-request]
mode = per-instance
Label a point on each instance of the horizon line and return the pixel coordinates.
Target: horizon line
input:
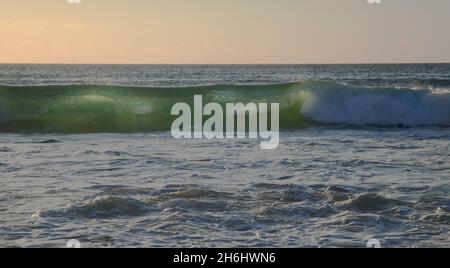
(186, 64)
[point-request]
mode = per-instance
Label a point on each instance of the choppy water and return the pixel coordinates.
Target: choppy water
(329, 185)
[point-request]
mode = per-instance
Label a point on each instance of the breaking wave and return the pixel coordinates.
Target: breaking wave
(99, 108)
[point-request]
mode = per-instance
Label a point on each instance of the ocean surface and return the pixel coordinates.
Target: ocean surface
(86, 154)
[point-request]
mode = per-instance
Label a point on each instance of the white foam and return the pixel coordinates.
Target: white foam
(366, 106)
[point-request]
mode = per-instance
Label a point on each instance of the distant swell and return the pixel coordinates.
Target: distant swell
(94, 108)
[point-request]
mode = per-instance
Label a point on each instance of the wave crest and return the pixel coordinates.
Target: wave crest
(93, 108)
(339, 104)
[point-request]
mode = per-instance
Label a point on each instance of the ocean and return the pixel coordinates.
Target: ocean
(86, 153)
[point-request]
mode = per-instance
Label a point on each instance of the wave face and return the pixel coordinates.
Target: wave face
(94, 108)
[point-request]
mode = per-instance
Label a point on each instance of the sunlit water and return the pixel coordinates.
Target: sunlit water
(322, 187)
(325, 186)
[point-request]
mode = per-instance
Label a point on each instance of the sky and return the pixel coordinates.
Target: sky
(224, 31)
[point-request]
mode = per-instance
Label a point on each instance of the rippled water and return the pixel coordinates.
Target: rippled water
(336, 183)
(323, 187)
(404, 75)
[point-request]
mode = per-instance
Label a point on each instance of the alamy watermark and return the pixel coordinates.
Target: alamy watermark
(73, 243)
(238, 121)
(374, 243)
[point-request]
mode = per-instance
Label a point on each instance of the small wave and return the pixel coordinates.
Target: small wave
(5, 150)
(105, 206)
(194, 193)
(437, 219)
(206, 205)
(238, 223)
(287, 193)
(192, 197)
(369, 202)
(121, 190)
(337, 193)
(117, 153)
(49, 141)
(90, 152)
(361, 222)
(285, 212)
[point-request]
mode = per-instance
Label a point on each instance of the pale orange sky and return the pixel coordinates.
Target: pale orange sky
(224, 31)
